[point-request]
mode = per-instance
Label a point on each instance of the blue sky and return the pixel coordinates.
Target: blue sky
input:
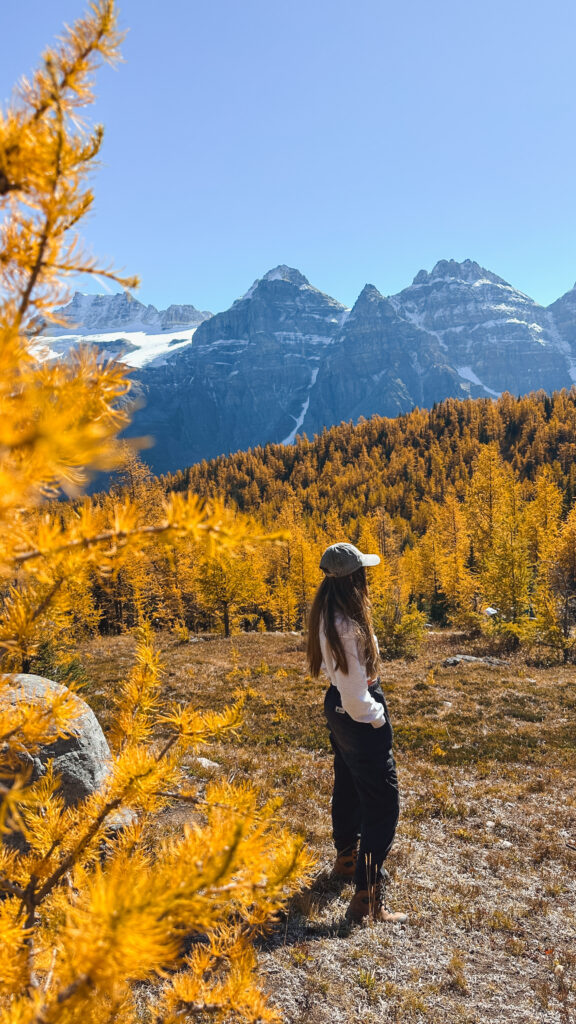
(356, 141)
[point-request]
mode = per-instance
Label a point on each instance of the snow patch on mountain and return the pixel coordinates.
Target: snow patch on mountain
(292, 338)
(467, 373)
(290, 274)
(300, 420)
(239, 343)
(135, 348)
(416, 318)
(122, 328)
(248, 295)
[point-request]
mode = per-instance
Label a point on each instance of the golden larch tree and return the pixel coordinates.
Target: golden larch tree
(82, 916)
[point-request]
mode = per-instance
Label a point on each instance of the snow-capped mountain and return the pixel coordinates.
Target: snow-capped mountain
(379, 363)
(562, 314)
(123, 327)
(247, 376)
(286, 358)
(496, 338)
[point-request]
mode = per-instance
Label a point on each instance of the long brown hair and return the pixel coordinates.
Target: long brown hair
(348, 596)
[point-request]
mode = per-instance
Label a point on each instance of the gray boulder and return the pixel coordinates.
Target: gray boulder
(80, 759)
(459, 659)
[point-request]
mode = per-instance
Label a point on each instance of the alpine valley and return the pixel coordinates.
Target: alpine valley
(288, 359)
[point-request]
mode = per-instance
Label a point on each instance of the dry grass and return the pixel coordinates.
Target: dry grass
(486, 848)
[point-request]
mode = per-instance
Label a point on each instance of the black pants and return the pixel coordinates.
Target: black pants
(365, 800)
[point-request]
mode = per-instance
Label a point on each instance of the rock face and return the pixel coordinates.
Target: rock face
(563, 315)
(119, 326)
(247, 377)
(379, 363)
(286, 358)
(495, 337)
(80, 759)
(177, 316)
(93, 314)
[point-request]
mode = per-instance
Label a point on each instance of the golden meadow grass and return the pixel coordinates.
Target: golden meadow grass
(485, 854)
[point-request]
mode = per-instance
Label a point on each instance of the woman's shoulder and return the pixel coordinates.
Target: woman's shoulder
(343, 623)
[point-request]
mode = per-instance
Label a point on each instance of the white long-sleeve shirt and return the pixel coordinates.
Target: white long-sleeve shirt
(356, 698)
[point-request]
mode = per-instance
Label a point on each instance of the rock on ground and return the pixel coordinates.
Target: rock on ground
(458, 659)
(80, 759)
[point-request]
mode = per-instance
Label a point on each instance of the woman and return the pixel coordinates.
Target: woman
(365, 796)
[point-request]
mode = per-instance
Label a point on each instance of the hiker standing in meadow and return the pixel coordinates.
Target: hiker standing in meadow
(365, 803)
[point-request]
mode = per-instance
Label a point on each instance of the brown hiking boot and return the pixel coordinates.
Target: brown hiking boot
(368, 904)
(345, 863)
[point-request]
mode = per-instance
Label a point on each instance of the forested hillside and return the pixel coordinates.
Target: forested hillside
(470, 506)
(395, 464)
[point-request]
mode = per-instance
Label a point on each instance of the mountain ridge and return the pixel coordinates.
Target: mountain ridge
(286, 357)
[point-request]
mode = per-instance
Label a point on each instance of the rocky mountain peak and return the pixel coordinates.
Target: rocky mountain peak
(281, 273)
(467, 272)
(563, 313)
(368, 302)
(83, 301)
(89, 314)
(369, 293)
(178, 315)
(284, 273)
(568, 299)
(86, 311)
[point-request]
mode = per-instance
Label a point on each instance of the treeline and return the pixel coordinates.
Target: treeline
(397, 464)
(470, 505)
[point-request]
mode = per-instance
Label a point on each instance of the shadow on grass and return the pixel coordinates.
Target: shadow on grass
(298, 923)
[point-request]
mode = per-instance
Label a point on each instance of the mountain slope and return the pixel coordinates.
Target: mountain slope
(379, 363)
(287, 358)
(247, 377)
(494, 336)
(123, 327)
(397, 464)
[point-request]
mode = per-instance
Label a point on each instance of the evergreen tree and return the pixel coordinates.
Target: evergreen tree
(228, 582)
(484, 499)
(506, 574)
(452, 540)
(559, 573)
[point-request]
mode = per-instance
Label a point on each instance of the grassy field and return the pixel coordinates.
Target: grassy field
(485, 856)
